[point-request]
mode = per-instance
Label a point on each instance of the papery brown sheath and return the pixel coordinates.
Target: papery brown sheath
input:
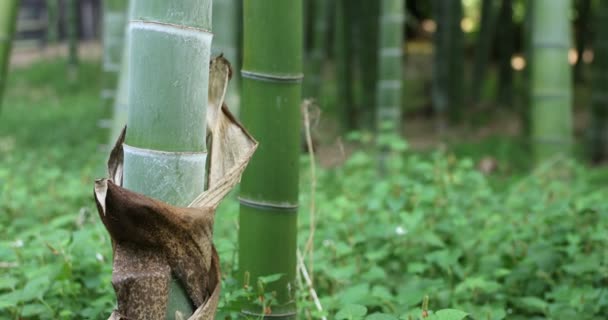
(152, 240)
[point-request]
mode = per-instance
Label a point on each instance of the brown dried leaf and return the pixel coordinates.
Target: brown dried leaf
(152, 240)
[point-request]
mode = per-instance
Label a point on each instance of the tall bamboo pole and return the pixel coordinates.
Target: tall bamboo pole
(366, 43)
(226, 40)
(455, 55)
(598, 143)
(506, 48)
(551, 79)
(582, 35)
(165, 149)
(318, 50)
(484, 46)
(114, 23)
(121, 101)
(343, 62)
(72, 20)
(8, 20)
(272, 76)
(390, 57)
(52, 29)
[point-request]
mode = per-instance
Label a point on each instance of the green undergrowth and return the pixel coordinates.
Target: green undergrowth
(531, 247)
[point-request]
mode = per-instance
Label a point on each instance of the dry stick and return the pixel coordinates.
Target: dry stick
(313, 186)
(311, 289)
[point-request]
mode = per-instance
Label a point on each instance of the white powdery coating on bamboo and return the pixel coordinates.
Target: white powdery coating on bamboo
(175, 177)
(203, 35)
(389, 84)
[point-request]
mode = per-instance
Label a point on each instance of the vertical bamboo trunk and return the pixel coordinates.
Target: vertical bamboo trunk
(8, 20)
(366, 44)
(343, 63)
(165, 149)
(114, 22)
(52, 29)
(448, 82)
(272, 76)
(439, 95)
(456, 60)
(317, 52)
(551, 79)
(72, 20)
(484, 46)
(526, 93)
(226, 40)
(598, 145)
(506, 47)
(390, 57)
(582, 32)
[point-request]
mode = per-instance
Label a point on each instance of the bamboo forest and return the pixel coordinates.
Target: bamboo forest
(304, 159)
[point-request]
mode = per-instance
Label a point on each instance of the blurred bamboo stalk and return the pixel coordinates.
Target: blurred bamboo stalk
(551, 77)
(598, 135)
(8, 22)
(114, 28)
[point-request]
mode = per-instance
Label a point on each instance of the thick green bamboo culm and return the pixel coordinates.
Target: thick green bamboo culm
(598, 135)
(52, 31)
(318, 50)
(226, 16)
(8, 21)
(165, 148)
(72, 32)
(272, 85)
(390, 65)
(551, 79)
(487, 27)
(114, 28)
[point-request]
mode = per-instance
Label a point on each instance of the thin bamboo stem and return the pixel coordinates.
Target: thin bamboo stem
(114, 28)
(8, 21)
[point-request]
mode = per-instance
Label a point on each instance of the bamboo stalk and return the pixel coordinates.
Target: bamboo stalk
(551, 79)
(390, 66)
(598, 135)
(582, 34)
(318, 50)
(114, 23)
(272, 76)
(52, 29)
(484, 46)
(343, 63)
(72, 33)
(165, 149)
(8, 21)
(226, 40)
(506, 47)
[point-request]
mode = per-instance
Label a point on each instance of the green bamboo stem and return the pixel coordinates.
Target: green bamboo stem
(52, 31)
(484, 46)
(343, 62)
(598, 135)
(72, 33)
(226, 40)
(526, 93)
(390, 57)
(272, 76)
(582, 32)
(8, 21)
(366, 44)
(551, 79)
(506, 48)
(317, 54)
(165, 147)
(114, 28)
(439, 91)
(455, 55)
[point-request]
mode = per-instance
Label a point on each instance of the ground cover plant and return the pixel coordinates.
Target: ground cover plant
(434, 234)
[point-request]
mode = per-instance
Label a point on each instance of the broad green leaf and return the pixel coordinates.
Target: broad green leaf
(450, 314)
(351, 312)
